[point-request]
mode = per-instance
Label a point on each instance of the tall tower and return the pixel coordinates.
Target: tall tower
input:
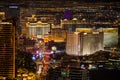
(80, 44)
(73, 43)
(91, 42)
(7, 50)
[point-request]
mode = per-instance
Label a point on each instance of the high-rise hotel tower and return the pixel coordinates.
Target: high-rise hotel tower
(7, 50)
(80, 44)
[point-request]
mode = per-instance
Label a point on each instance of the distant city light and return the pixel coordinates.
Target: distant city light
(37, 52)
(54, 48)
(85, 33)
(74, 19)
(40, 55)
(51, 52)
(13, 7)
(33, 57)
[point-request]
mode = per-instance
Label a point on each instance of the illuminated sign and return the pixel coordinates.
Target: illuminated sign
(14, 7)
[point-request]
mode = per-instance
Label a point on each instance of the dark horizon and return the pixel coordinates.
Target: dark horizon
(61, 0)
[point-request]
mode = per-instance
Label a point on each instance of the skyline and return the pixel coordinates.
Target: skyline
(48, 32)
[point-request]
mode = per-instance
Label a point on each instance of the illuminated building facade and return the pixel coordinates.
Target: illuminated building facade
(7, 50)
(91, 42)
(39, 30)
(73, 43)
(79, 44)
(58, 35)
(2, 15)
